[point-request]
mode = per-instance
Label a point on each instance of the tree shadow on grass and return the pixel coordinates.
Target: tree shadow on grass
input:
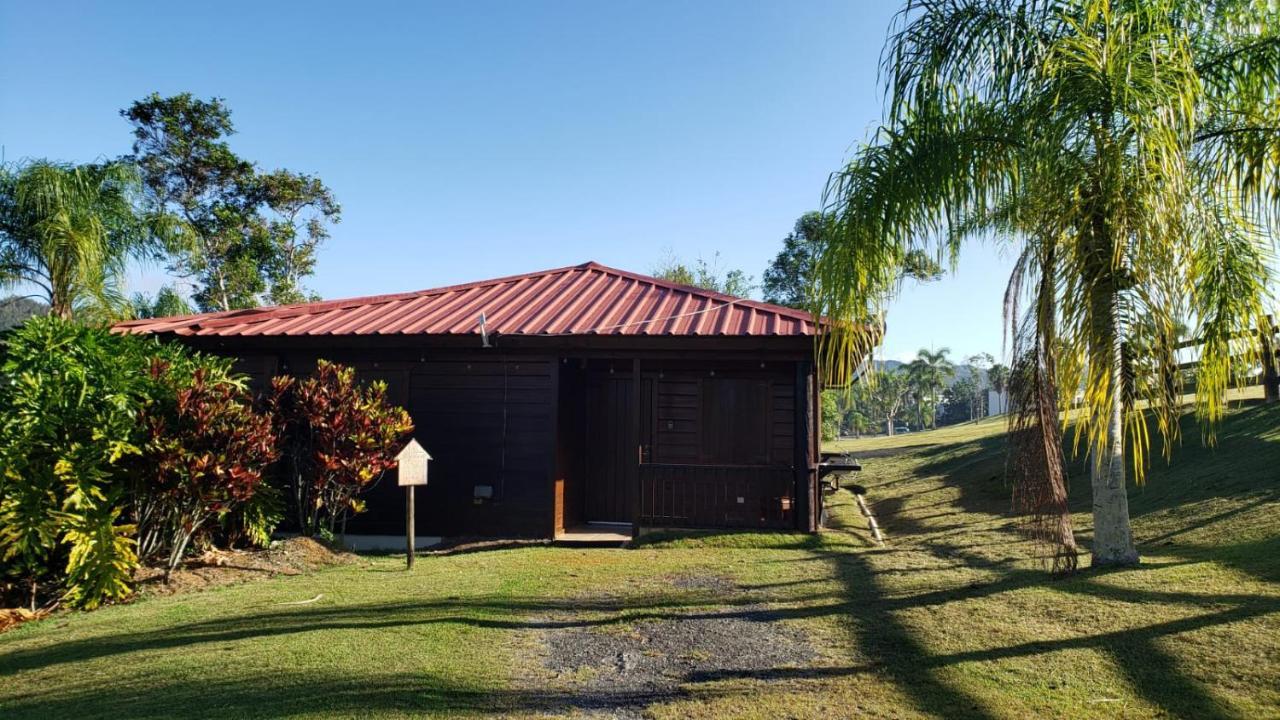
(313, 693)
(490, 612)
(885, 646)
(890, 646)
(1153, 671)
(1143, 653)
(1248, 440)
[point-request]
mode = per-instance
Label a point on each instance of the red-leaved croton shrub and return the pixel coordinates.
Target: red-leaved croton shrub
(338, 436)
(206, 452)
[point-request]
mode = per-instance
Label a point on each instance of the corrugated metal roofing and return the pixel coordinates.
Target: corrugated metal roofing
(587, 299)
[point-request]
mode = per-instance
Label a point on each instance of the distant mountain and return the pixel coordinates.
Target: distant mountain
(15, 310)
(962, 371)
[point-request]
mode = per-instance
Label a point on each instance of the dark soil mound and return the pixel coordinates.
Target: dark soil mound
(225, 567)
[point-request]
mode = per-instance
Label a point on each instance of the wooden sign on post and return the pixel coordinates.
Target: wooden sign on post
(412, 464)
(411, 471)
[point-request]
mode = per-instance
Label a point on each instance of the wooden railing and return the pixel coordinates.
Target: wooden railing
(729, 496)
(1269, 378)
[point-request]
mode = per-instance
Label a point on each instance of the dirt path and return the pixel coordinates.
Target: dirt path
(620, 657)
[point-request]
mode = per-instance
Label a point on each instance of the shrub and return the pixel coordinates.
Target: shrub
(69, 397)
(107, 439)
(338, 437)
(252, 522)
(205, 453)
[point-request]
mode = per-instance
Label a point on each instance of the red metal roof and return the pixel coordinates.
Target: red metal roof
(587, 299)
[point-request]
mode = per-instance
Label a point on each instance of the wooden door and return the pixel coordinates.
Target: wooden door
(611, 448)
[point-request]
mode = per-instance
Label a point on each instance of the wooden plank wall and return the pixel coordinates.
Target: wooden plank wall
(698, 417)
(486, 420)
(723, 448)
(486, 423)
(709, 435)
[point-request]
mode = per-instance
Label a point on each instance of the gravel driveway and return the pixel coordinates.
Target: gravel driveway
(616, 669)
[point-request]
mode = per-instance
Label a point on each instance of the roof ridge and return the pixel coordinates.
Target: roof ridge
(274, 312)
(715, 294)
(253, 316)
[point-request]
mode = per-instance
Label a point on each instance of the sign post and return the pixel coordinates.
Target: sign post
(411, 470)
(411, 533)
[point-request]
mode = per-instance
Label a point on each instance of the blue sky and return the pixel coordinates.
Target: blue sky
(473, 139)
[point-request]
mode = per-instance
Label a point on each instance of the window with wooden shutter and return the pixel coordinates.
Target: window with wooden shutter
(735, 421)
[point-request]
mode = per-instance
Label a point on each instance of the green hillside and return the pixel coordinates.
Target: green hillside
(1193, 632)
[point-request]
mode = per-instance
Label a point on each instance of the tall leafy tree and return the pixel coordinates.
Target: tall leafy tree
(244, 237)
(876, 401)
(1129, 152)
(167, 302)
(889, 394)
(191, 173)
(69, 231)
(958, 401)
(979, 364)
(831, 415)
(303, 208)
(789, 278)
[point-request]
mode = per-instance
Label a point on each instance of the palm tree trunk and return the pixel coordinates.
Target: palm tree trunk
(60, 300)
(1112, 534)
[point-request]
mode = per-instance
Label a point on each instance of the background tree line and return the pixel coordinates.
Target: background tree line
(235, 235)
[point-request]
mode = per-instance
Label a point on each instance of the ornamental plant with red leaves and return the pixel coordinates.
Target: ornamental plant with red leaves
(338, 438)
(206, 451)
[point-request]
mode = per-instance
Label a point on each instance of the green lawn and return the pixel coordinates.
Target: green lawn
(955, 618)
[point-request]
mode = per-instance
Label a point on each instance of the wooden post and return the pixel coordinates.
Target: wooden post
(634, 490)
(807, 506)
(408, 523)
(815, 447)
(1270, 379)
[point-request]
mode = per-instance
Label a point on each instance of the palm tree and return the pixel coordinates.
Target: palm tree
(69, 230)
(1128, 151)
(929, 374)
(998, 376)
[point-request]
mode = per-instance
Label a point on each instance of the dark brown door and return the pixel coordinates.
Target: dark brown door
(611, 448)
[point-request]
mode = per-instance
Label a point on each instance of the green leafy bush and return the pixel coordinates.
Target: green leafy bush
(206, 453)
(252, 522)
(69, 399)
(338, 437)
(115, 448)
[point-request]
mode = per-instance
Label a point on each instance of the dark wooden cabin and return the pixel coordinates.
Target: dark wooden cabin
(560, 398)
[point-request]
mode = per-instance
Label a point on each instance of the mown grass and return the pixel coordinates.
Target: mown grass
(954, 618)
